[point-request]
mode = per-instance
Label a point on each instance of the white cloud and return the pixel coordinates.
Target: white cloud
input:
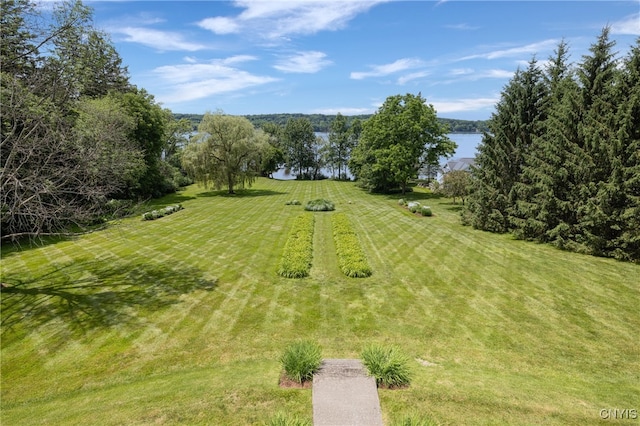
(413, 76)
(220, 25)
(192, 81)
(303, 62)
(160, 40)
(278, 19)
(461, 71)
(462, 27)
(463, 104)
(532, 48)
(630, 25)
(386, 69)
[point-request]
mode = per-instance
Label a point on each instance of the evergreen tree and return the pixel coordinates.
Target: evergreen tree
(599, 200)
(501, 154)
(625, 178)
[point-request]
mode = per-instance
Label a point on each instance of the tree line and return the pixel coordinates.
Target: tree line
(76, 135)
(321, 123)
(560, 162)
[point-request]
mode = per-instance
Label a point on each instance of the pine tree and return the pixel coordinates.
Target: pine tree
(499, 163)
(625, 179)
(599, 201)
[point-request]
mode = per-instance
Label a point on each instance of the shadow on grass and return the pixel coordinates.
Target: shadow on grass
(240, 193)
(88, 294)
(168, 200)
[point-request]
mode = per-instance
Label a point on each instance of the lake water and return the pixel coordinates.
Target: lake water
(467, 148)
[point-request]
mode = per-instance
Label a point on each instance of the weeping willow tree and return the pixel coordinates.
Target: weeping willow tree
(225, 152)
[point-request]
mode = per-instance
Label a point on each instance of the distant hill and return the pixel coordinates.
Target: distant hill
(322, 122)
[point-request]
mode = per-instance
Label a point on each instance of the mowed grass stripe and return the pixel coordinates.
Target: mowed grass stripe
(521, 333)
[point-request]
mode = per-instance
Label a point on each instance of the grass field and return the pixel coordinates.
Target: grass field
(181, 320)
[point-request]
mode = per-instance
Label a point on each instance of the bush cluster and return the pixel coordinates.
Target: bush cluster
(388, 365)
(319, 205)
(298, 250)
(156, 214)
(351, 258)
(293, 203)
(300, 360)
(416, 207)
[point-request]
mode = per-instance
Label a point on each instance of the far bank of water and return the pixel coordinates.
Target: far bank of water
(467, 148)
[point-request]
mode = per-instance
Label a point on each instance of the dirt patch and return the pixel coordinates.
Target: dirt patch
(425, 362)
(285, 382)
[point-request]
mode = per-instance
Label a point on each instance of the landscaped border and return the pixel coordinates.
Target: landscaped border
(351, 259)
(298, 250)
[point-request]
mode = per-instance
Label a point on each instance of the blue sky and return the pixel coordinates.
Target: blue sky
(261, 57)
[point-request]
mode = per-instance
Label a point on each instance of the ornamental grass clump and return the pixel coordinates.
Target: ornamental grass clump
(388, 365)
(298, 250)
(351, 258)
(319, 205)
(300, 360)
(426, 211)
(282, 419)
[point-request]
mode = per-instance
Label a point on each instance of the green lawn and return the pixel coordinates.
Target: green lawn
(181, 320)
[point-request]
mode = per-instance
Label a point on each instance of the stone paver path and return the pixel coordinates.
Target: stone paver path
(344, 395)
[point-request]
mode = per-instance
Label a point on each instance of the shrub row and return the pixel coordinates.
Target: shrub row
(351, 258)
(416, 207)
(156, 214)
(319, 205)
(298, 250)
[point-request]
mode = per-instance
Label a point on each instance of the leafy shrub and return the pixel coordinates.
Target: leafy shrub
(426, 211)
(282, 419)
(351, 258)
(402, 202)
(156, 214)
(319, 205)
(413, 206)
(298, 250)
(387, 365)
(300, 360)
(293, 203)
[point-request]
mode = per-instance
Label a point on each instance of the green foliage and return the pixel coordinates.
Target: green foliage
(455, 184)
(319, 205)
(388, 365)
(293, 203)
(157, 214)
(413, 206)
(225, 153)
(415, 420)
(283, 419)
(300, 360)
(402, 202)
(298, 250)
(351, 259)
(560, 162)
(396, 141)
(426, 211)
(298, 143)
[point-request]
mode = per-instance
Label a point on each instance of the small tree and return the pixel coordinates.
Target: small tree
(226, 152)
(456, 184)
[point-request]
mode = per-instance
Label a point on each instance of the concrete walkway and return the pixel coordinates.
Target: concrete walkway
(344, 395)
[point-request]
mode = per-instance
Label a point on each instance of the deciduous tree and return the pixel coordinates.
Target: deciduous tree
(225, 152)
(403, 135)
